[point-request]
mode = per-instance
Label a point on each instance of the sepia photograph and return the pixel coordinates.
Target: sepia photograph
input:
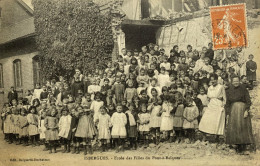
(130, 82)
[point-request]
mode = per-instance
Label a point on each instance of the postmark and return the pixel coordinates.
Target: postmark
(229, 26)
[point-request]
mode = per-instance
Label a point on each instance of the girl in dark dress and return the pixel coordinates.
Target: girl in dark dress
(239, 127)
(251, 67)
(131, 126)
(73, 128)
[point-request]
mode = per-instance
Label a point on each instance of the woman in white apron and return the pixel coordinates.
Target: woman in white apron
(213, 120)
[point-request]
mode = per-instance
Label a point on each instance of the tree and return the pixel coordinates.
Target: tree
(71, 34)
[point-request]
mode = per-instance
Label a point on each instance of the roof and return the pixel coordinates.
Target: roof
(20, 29)
(16, 31)
(27, 5)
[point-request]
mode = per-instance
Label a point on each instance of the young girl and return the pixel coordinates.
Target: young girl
(42, 115)
(132, 77)
(164, 94)
(142, 77)
(118, 121)
(131, 127)
(36, 103)
(103, 123)
(163, 77)
(86, 129)
(130, 93)
(3, 117)
(155, 121)
(178, 117)
(73, 127)
(23, 124)
(165, 63)
(8, 125)
(96, 104)
(190, 116)
(94, 88)
(51, 123)
(195, 81)
(118, 89)
(180, 87)
(33, 121)
(204, 99)
(143, 121)
(64, 129)
(143, 99)
(15, 118)
(251, 67)
(140, 88)
(153, 85)
(167, 119)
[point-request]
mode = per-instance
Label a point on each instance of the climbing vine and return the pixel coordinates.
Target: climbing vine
(71, 34)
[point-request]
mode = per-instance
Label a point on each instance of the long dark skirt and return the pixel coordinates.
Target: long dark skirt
(239, 129)
(132, 131)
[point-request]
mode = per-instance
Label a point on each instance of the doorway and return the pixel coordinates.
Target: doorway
(137, 36)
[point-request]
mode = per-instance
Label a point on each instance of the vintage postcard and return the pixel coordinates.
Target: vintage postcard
(129, 82)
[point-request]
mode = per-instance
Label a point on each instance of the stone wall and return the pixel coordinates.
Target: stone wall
(195, 32)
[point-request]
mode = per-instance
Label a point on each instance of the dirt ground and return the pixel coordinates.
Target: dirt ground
(163, 154)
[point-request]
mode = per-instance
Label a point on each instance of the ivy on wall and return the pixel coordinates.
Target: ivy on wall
(71, 34)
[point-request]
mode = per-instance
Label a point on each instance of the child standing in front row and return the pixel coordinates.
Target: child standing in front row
(86, 129)
(178, 117)
(103, 122)
(204, 99)
(15, 118)
(64, 129)
(118, 133)
(23, 124)
(167, 119)
(51, 123)
(155, 121)
(131, 127)
(32, 119)
(144, 128)
(190, 116)
(73, 127)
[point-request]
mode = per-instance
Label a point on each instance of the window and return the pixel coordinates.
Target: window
(36, 71)
(17, 73)
(1, 76)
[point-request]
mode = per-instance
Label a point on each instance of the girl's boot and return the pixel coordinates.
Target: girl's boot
(171, 139)
(10, 139)
(68, 150)
(50, 147)
(65, 148)
(77, 150)
(74, 149)
(45, 146)
(54, 148)
(85, 150)
(90, 149)
(33, 141)
(106, 147)
(116, 145)
(103, 147)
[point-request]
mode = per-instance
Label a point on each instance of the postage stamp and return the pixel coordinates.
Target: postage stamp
(229, 26)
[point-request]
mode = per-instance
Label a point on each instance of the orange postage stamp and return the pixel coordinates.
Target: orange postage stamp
(229, 26)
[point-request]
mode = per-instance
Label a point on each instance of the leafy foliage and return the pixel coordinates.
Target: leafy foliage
(71, 34)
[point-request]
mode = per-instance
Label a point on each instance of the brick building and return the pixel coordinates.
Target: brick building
(17, 48)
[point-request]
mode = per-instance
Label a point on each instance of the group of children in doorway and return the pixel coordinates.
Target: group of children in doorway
(144, 97)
